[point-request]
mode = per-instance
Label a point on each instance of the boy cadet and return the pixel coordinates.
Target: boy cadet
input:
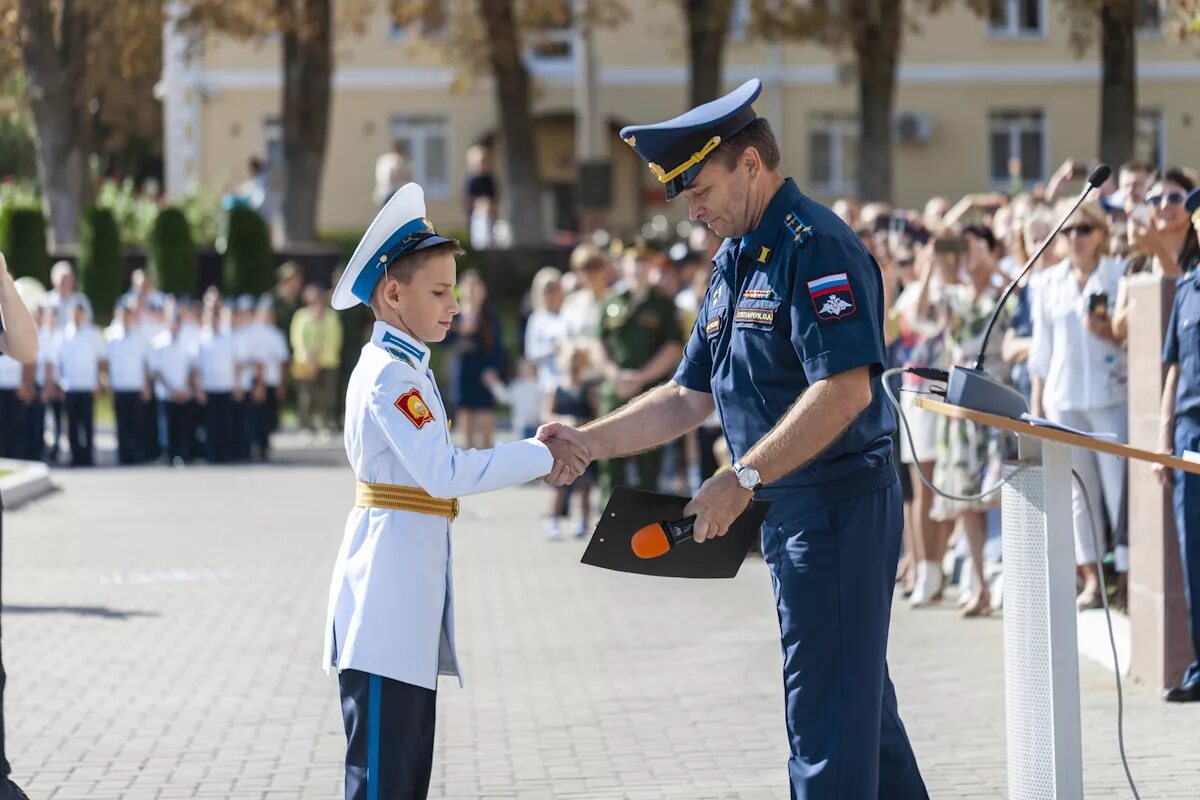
(128, 380)
(272, 351)
(80, 353)
(172, 360)
(390, 629)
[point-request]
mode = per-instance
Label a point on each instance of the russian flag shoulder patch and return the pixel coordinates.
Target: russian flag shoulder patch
(832, 297)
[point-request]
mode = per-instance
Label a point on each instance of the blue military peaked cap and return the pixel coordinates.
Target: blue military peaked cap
(399, 228)
(677, 149)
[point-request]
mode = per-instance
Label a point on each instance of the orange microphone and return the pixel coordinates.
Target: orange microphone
(657, 538)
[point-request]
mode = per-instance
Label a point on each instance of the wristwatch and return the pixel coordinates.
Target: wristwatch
(748, 477)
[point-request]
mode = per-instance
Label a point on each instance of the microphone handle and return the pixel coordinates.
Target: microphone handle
(1028, 266)
(680, 530)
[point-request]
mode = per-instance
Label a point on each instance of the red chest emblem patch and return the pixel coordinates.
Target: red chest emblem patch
(413, 406)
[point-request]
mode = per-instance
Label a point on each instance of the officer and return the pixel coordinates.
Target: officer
(788, 347)
(1181, 432)
(640, 344)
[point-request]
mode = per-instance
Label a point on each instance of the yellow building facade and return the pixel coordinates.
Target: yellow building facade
(974, 93)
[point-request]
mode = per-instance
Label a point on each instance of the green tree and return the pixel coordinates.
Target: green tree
(172, 259)
(101, 263)
(248, 265)
(23, 242)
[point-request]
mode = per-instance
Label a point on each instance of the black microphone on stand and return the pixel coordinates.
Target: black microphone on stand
(975, 389)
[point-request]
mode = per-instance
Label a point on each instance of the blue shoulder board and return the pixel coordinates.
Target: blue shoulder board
(799, 230)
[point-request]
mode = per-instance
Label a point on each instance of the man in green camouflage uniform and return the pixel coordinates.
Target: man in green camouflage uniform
(640, 343)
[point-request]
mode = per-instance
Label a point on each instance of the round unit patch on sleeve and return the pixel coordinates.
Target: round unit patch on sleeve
(413, 406)
(832, 297)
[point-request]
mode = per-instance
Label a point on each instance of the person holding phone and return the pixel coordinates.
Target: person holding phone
(1160, 237)
(1079, 377)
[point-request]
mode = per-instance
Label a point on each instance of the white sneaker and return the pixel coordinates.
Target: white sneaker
(580, 528)
(553, 532)
(928, 588)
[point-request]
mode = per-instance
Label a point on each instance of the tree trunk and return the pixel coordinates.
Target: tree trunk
(1118, 81)
(707, 29)
(876, 26)
(53, 52)
(523, 202)
(307, 84)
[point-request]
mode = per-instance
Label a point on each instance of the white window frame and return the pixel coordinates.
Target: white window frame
(1157, 118)
(272, 136)
(1012, 22)
(1015, 127)
(840, 127)
(1153, 31)
(417, 131)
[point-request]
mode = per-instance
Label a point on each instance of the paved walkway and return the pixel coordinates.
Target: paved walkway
(162, 631)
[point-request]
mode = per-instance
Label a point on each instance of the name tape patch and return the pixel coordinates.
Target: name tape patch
(765, 316)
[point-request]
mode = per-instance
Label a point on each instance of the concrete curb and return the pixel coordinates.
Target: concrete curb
(29, 480)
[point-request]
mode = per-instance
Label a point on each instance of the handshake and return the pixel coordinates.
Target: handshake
(571, 449)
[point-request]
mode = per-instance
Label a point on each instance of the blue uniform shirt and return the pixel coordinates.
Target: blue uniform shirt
(794, 301)
(1181, 345)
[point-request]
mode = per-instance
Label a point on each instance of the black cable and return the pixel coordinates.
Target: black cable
(1112, 641)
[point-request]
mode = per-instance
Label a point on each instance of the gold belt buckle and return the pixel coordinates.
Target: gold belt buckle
(454, 509)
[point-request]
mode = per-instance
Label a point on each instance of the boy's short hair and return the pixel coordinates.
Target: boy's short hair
(402, 268)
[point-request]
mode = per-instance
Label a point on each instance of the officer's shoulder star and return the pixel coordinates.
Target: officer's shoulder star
(798, 229)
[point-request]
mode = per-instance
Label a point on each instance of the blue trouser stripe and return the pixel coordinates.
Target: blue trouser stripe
(376, 701)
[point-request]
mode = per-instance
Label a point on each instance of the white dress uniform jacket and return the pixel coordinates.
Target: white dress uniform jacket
(391, 600)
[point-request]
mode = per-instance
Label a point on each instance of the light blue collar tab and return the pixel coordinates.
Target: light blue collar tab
(388, 338)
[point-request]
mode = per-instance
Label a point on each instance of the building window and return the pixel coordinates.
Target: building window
(552, 39)
(1016, 148)
(426, 143)
(1016, 18)
(272, 152)
(739, 21)
(833, 154)
(1150, 17)
(1149, 145)
(429, 22)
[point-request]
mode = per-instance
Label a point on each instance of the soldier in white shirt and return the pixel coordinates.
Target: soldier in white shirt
(45, 388)
(216, 382)
(250, 369)
(150, 324)
(81, 350)
(390, 629)
(129, 381)
(271, 348)
(172, 359)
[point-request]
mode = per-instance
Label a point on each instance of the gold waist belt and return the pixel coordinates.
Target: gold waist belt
(403, 498)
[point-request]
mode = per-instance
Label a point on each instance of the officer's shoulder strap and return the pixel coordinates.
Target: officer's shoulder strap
(796, 228)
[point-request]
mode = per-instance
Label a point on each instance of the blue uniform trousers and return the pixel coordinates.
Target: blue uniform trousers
(389, 737)
(833, 567)
(131, 426)
(1187, 527)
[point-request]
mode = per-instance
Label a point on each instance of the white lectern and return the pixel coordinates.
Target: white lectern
(1041, 659)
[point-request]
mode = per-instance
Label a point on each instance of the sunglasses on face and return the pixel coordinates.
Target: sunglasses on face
(1082, 229)
(1168, 199)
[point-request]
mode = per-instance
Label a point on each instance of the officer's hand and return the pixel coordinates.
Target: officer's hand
(719, 502)
(1165, 475)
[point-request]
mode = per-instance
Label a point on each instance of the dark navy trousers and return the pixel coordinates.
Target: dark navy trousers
(389, 737)
(1187, 528)
(833, 567)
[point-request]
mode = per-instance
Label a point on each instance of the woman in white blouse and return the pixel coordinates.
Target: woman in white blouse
(1079, 378)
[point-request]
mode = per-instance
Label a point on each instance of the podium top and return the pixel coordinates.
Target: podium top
(1053, 435)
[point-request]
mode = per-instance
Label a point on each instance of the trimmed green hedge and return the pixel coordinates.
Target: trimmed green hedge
(101, 264)
(171, 253)
(23, 242)
(249, 264)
